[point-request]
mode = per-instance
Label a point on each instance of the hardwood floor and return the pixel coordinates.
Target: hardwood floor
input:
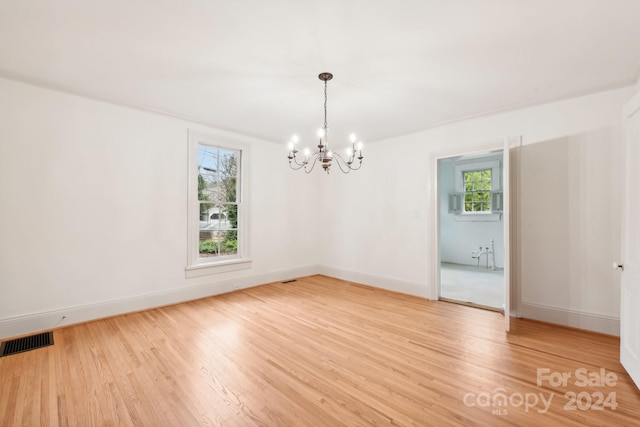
(315, 352)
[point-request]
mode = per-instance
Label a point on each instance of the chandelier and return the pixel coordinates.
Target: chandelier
(323, 154)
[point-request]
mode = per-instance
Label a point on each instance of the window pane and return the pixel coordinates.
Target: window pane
(477, 187)
(228, 189)
(207, 173)
(229, 242)
(210, 246)
(218, 197)
(228, 162)
(207, 188)
(232, 216)
(208, 159)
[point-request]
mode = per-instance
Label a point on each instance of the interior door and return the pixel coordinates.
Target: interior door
(630, 282)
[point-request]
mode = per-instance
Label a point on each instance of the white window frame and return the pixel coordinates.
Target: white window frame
(496, 186)
(197, 266)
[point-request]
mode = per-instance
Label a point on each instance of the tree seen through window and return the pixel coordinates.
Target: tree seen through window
(218, 200)
(477, 191)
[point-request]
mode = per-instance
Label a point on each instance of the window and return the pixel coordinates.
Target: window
(477, 194)
(477, 190)
(218, 201)
(217, 239)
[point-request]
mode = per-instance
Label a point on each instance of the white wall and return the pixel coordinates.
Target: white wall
(93, 210)
(380, 226)
(93, 202)
(458, 238)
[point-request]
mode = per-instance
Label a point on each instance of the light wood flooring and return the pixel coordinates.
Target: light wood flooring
(315, 352)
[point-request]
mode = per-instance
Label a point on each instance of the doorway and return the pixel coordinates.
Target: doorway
(471, 229)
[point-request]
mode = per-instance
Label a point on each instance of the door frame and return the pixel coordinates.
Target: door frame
(434, 263)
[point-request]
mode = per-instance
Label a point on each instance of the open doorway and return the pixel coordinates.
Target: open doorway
(471, 229)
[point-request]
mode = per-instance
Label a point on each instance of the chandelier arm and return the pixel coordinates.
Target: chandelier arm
(342, 163)
(313, 164)
(291, 165)
(351, 165)
(296, 165)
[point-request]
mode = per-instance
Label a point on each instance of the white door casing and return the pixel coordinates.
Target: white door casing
(506, 221)
(507, 145)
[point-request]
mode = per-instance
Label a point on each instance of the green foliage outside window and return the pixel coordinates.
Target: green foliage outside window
(477, 191)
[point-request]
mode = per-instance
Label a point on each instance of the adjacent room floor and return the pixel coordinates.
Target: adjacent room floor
(471, 284)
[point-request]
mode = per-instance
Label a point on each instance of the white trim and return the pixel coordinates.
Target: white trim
(402, 286)
(515, 228)
(225, 132)
(223, 266)
(48, 85)
(433, 252)
(478, 217)
(21, 325)
(30, 323)
(573, 318)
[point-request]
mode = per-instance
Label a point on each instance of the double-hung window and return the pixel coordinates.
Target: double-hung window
(477, 194)
(217, 232)
(477, 190)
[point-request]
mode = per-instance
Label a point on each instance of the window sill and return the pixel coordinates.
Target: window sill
(224, 266)
(479, 217)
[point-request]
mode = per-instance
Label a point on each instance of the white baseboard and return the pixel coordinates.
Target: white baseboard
(576, 319)
(411, 288)
(30, 323)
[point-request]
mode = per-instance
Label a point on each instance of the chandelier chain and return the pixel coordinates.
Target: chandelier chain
(325, 105)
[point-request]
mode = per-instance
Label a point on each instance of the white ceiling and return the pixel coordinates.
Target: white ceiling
(251, 66)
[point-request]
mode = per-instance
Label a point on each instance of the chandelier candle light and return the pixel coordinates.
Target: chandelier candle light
(323, 155)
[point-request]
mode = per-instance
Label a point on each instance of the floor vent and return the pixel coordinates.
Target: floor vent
(289, 281)
(26, 343)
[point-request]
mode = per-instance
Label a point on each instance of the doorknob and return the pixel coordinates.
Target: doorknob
(618, 265)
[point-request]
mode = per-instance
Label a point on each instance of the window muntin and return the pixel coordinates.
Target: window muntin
(477, 190)
(219, 203)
